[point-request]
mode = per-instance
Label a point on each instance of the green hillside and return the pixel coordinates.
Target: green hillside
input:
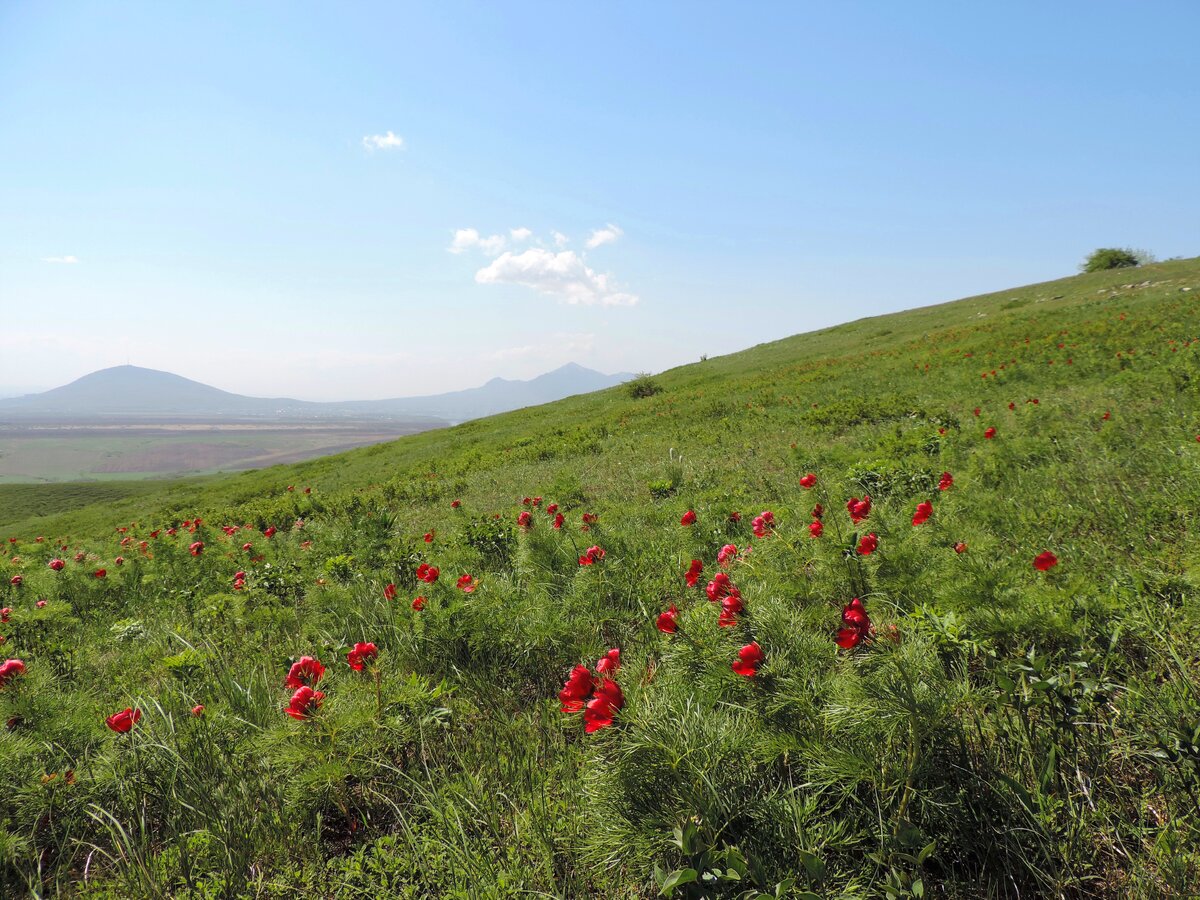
(977, 727)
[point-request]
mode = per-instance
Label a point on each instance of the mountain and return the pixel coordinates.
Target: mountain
(132, 391)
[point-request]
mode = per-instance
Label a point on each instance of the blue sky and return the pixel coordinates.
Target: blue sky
(221, 176)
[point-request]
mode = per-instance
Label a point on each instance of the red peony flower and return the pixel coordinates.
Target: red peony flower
(389, 592)
(525, 519)
(124, 720)
(763, 524)
(924, 511)
(427, 573)
(197, 548)
(198, 711)
(269, 531)
(304, 702)
(41, 604)
(868, 544)
(960, 547)
(429, 537)
(601, 708)
(10, 669)
(455, 504)
(609, 662)
(750, 657)
(591, 555)
(551, 509)
(855, 625)
(990, 433)
(815, 528)
(818, 511)
(725, 554)
(808, 481)
(668, 622)
(688, 518)
(306, 671)
(360, 655)
(56, 564)
(418, 604)
(693, 573)
(576, 690)
(16, 580)
(946, 481)
(559, 518)
(858, 509)
(5, 613)
(719, 587)
(590, 518)
(100, 573)
(731, 605)
(466, 584)
(1045, 561)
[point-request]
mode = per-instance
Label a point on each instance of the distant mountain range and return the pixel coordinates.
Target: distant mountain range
(131, 392)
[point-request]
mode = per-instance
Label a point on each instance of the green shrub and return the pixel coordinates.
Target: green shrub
(643, 386)
(1107, 258)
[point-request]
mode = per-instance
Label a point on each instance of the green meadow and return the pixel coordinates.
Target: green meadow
(976, 727)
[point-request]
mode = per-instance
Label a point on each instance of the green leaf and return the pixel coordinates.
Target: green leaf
(676, 878)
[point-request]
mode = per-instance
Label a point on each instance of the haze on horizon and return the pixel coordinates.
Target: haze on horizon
(371, 201)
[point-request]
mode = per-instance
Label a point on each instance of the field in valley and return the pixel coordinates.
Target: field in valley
(653, 641)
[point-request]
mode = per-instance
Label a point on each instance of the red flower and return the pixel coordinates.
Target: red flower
(537, 501)
(429, 537)
(946, 482)
(735, 516)
(808, 481)
(306, 671)
(427, 573)
(990, 433)
(197, 548)
(688, 518)
(16, 580)
(79, 557)
(609, 662)
(867, 544)
(815, 528)
(389, 592)
(855, 625)
(119, 561)
(960, 547)
(360, 655)
(455, 504)
(976, 411)
(763, 523)
(525, 519)
(719, 588)
(100, 573)
(750, 657)
(198, 711)
(247, 547)
(10, 669)
(1045, 561)
(269, 532)
(693, 573)
(56, 564)
(818, 511)
(924, 511)
(601, 708)
(41, 604)
(668, 622)
(527, 501)
(591, 555)
(725, 554)
(466, 584)
(590, 518)
(418, 604)
(578, 686)
(858, 509)
(304, 702)
(551, 509)
(731, 605)
(124, 720)
(5, 613)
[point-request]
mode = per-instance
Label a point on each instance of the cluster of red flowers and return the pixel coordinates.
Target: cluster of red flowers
(591, 555)
(598, 698)
(427, 573)
(9, 670)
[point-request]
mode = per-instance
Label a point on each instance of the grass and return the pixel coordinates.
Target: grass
(998, 731)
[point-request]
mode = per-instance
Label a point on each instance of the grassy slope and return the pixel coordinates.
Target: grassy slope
(1034, 773)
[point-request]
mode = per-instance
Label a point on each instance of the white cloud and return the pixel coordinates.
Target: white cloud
(466, 238)
(520, 234)
(560, 239)
(387, 141)
(68, 260)
(564, 275)
(605, 235)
